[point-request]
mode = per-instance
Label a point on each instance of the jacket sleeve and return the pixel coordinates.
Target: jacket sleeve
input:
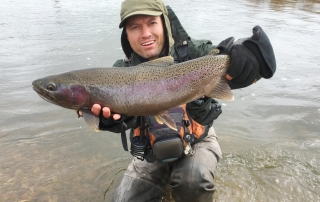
(125, 122)
(199, 48)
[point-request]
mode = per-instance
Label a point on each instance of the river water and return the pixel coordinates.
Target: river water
(269, 135)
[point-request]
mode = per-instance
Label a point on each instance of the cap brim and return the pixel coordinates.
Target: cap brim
(152, 13)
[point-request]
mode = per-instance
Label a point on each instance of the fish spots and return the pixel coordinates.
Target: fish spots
(141, 89)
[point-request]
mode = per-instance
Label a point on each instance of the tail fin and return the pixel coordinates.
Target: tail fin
(222, 90)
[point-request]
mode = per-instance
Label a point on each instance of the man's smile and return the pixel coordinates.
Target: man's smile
(148, 43)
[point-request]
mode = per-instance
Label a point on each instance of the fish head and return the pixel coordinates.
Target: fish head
(63, 90)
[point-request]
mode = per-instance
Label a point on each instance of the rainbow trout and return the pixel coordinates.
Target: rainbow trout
(150, 88)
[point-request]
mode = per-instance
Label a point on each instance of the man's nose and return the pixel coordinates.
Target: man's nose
(146, 32)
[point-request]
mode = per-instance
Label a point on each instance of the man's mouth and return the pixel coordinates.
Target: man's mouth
(148, 43)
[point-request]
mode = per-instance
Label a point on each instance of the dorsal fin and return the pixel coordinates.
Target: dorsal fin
(162, 62)
(214, 52)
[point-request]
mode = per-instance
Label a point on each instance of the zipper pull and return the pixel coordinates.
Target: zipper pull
(188, 151)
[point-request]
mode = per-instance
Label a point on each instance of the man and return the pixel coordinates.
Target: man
(150, 31)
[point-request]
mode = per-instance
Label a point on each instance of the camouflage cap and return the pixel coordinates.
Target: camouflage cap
(141, 7)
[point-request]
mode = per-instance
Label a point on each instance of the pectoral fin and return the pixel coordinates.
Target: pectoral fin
(91, 120)
(165, 118)
(158, 119)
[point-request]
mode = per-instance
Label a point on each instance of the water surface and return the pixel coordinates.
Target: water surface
(269, 135)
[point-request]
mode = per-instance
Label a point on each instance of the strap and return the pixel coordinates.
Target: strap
(188, 137)
(124, 137)
(181, 53)
(144, 128)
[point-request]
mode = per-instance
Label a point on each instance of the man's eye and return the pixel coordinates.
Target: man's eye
(134, 27)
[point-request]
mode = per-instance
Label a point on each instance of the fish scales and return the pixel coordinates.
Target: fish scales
(183, 82)
(147, 89)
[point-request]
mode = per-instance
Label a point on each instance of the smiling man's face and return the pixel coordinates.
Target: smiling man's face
(146, 35)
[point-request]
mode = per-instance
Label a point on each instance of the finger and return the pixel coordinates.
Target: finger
(106, 112)
(229, 77)
(116, 116)
(95, 109)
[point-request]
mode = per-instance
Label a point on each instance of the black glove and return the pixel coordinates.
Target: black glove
(204, 110)
(261, 47)
(116, 126)
(251, 58)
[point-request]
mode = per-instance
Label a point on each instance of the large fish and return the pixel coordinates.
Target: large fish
(150, 88)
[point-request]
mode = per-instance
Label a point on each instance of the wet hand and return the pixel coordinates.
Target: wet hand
(106, 112)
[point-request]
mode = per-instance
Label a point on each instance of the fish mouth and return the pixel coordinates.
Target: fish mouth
(53, 99)
(45, 94)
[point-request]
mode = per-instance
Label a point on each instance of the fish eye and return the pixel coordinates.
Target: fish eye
(51, 86)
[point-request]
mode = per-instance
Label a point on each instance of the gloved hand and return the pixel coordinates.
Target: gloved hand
(112, 122)
(204, 110)
(251, 58)
(116, 126)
